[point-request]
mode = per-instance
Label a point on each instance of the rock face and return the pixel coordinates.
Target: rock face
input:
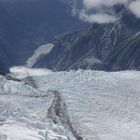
(3, 69)
(126, 55)
(26, 24)
(92, 47)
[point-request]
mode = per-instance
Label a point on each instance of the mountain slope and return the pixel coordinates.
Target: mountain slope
(3, 69)
(26, 24)
(126, 55)
(89, 48)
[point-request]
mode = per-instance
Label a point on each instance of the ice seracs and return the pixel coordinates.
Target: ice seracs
(88, 105)
(100, 105)
(24, 113)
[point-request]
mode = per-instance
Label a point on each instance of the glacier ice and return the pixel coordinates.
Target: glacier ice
(89, 105)
(101, 105)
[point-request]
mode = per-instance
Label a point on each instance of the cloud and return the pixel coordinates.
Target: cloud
(98, 3)
(97, 18)
(135, 8)
(102, 13)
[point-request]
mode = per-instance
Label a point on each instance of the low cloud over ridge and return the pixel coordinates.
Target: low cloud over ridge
(97, 18)
(102, 13)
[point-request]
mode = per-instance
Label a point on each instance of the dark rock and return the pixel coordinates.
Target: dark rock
(90, 48)
(26, 24)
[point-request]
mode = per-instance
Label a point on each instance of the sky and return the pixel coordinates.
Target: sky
(101, 11)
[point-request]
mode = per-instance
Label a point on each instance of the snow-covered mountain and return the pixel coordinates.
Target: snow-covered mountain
(41, 104)
(94, 47)
(74, 105)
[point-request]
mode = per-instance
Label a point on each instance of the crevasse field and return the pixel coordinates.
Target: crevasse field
(37, 104)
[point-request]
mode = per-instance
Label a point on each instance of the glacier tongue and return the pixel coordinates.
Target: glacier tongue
(74, 105)
(100, 105)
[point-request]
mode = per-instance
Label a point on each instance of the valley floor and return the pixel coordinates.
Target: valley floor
(74, 105)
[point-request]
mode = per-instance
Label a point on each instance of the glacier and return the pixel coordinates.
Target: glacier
(74, 105)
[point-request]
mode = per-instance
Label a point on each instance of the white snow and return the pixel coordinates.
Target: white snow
(42, 50)
(17, 131)
(24, 113)
(92, 60)
(100, 105)
(22, 72)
